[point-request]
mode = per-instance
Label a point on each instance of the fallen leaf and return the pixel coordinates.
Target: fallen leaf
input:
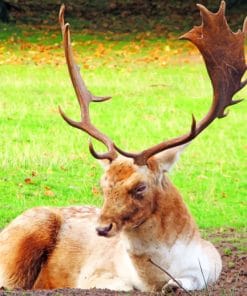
(49, 192)
(96, 191)
(28, 180)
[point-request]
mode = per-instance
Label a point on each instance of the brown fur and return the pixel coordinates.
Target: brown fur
(118, 199)
(32, 244)
(173, 215)
(143, 216)
(119, 172)
(47, 248)
(48, 277)
(148, 272)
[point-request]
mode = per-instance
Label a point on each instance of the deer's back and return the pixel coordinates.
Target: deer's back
(59, 247)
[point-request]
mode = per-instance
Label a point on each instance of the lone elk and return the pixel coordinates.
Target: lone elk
(144, 225)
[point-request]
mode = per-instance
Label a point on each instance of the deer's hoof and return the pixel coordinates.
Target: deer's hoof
(171, 288)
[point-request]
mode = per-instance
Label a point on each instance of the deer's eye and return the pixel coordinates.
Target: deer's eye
(139, 190)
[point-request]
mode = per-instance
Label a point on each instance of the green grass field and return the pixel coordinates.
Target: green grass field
(43, 161)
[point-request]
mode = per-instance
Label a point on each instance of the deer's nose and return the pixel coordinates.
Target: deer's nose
(103, 230)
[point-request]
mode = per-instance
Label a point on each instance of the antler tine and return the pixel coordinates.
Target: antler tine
(84, 97)
(223, 54)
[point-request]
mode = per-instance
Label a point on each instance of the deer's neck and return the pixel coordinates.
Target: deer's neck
(169, 227)
(170, 221)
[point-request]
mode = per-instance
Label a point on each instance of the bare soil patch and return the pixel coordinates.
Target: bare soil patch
(233, 280)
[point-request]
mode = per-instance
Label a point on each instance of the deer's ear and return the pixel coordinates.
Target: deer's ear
(165, 160)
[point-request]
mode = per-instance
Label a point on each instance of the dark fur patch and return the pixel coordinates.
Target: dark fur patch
(33, 250)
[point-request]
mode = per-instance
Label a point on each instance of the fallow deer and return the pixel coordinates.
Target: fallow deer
(144, 223)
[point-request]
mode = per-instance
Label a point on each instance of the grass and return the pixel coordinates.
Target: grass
(45, 162)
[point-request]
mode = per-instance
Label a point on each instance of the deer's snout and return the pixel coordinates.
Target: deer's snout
(104, 230)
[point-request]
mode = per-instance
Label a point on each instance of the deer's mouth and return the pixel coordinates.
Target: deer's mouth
(107, 230)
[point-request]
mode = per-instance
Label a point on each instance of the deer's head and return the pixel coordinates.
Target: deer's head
(132, 181)
(131, 190)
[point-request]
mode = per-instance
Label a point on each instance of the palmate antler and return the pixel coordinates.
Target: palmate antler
(223, 53)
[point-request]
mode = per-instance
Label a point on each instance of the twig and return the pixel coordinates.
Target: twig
(167, 273)
(206, 286)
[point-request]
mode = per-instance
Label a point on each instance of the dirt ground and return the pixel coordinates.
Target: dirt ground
(233, 280)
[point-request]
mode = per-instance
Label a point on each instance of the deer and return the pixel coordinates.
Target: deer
(144, 236)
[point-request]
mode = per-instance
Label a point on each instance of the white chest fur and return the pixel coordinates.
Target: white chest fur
(193, 263)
